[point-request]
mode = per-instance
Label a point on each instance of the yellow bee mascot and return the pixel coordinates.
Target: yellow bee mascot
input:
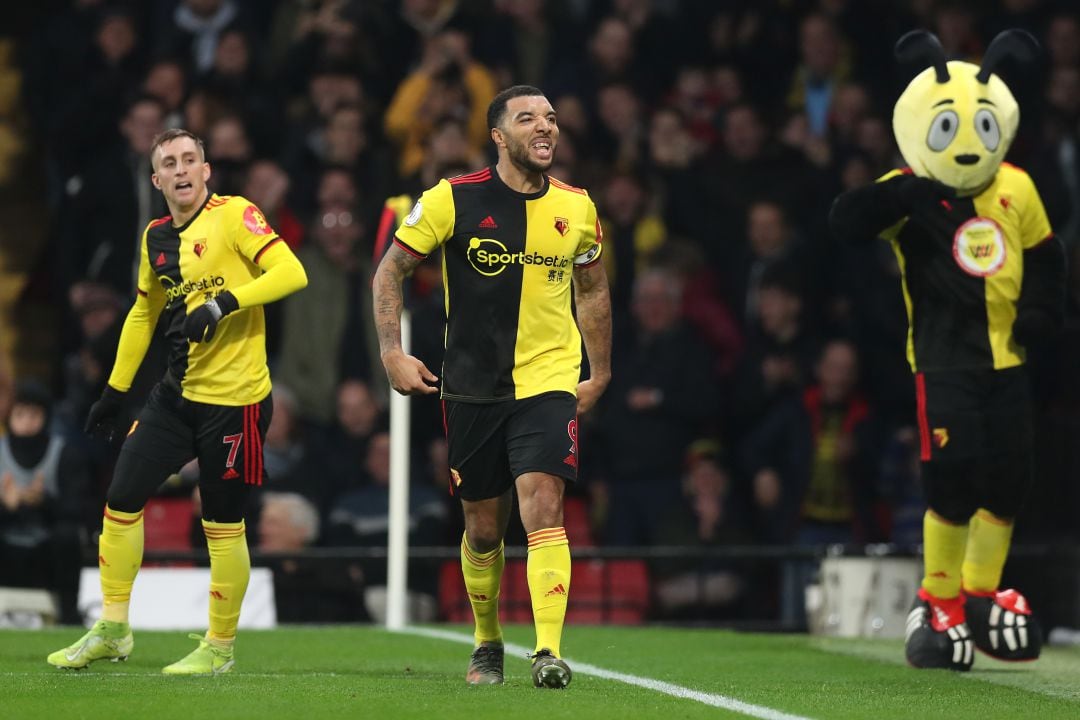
(983, 277)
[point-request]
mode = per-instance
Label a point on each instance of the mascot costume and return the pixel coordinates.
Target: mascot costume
(983, 277)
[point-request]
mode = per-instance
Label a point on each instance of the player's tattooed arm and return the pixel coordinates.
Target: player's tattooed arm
(396, 265)
(593, 302)
(406, 374)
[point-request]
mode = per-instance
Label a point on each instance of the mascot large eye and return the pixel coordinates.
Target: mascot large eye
(987, 127)
(943, 130)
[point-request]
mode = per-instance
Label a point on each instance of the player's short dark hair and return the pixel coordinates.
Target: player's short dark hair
(497, 108)
(172, 134)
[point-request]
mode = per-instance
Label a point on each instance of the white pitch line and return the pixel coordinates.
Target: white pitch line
(720, 701)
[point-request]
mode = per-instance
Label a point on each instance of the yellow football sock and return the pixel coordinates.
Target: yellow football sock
(230, 568)
(987, 547)
(943, 554)
(483, 577)
(548, 570)
(120, 551)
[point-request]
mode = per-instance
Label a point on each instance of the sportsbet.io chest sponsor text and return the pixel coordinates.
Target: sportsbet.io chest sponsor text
(490, 257)
(206, 284)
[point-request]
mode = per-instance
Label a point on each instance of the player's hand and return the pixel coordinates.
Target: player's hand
(105, 414)
(201, 324)
(588, 392)
(408, 375)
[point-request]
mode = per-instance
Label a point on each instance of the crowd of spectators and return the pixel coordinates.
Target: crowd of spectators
(712, 137)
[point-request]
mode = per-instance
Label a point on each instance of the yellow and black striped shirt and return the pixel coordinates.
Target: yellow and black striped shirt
(226, 245)
(508, 260)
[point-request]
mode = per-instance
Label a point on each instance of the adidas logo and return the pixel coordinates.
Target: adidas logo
(557, 590)
(230, 474)
(571, 460)
(160, 260)
(915, 619)
(216, 595)
(488, 223)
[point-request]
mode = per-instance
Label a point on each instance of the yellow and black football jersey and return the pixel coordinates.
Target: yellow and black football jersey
(963, 269)
(181, 268)
(508, 259)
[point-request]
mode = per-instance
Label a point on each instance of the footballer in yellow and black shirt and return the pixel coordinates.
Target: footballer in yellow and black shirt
(516, 245)
(226, 244)
(508, 259)
(205, 271)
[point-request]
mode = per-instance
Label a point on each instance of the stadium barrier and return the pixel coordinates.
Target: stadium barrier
(175, 598)
(863, 596)
(691, 585)
(26, 608)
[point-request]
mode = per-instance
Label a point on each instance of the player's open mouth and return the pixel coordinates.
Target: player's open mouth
(542, 148)
(181, 186)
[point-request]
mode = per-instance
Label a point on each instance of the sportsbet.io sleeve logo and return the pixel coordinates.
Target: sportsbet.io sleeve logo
(979, 247)
(490, 257)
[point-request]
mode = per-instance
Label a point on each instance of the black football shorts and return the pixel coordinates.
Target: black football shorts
(171, 430)
(492, 444)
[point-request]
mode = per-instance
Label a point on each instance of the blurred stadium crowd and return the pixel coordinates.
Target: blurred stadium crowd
(760, 391)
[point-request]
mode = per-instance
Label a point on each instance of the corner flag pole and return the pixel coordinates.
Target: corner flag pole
(397, 551)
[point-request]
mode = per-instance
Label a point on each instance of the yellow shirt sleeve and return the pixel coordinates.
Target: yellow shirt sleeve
(138, 329)
(252, 237)
(1034, 224)
(283, 274)
(430, 222)
(251, 233)
(591, 245)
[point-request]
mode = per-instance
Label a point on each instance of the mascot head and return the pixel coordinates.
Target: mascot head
(955, 121)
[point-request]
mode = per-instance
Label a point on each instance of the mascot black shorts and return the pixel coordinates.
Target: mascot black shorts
(975, 434)
(973, 415)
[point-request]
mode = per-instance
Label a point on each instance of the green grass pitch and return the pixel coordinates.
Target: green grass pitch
(365, 672)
